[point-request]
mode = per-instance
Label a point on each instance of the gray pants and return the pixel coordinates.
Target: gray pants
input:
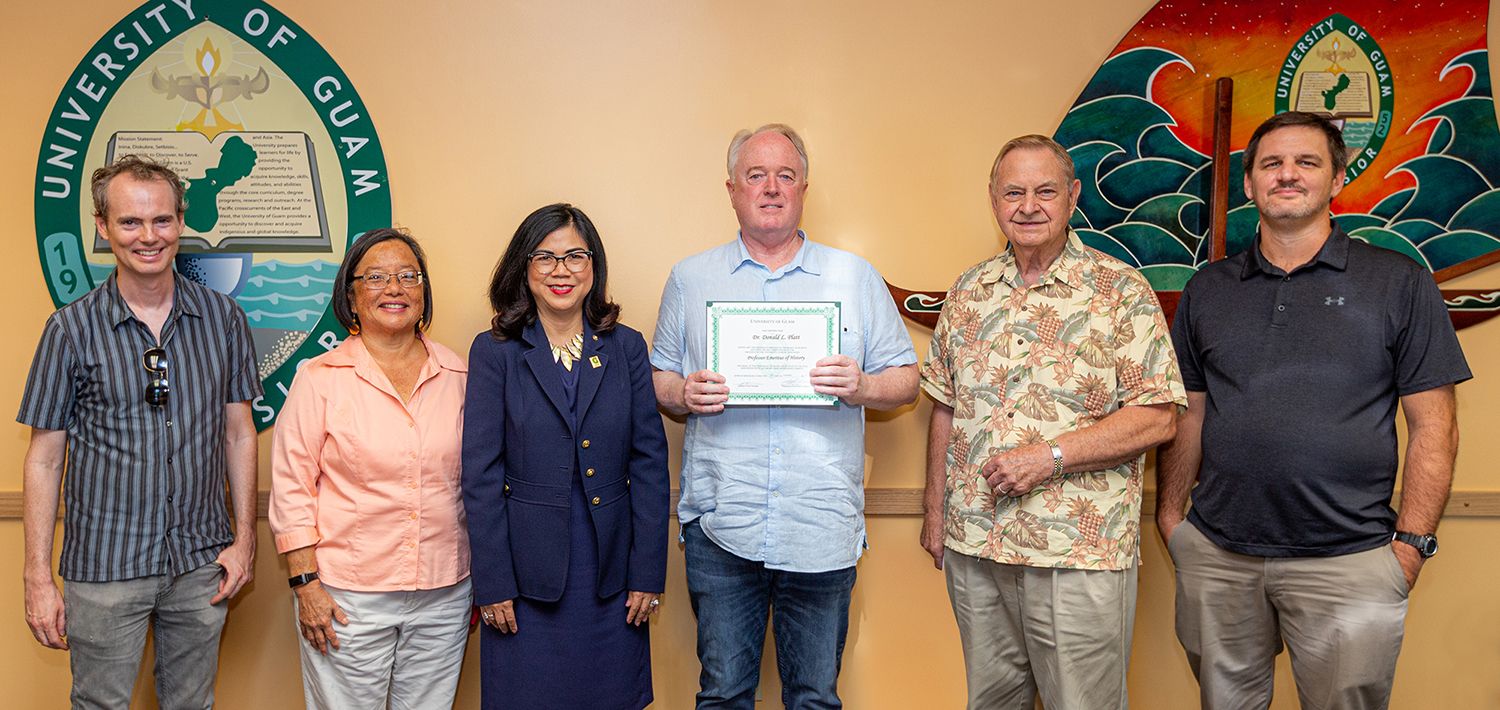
(1063, 634)
(1342, 618)
(106, 623)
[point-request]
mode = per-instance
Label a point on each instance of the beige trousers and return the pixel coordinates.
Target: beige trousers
(1341, 617)
(399, 651)
(1063, 634)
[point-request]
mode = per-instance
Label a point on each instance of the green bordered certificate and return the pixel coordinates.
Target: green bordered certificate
(764, 349)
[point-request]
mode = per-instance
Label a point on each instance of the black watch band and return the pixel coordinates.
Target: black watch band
(1427, 545)
(301, 579)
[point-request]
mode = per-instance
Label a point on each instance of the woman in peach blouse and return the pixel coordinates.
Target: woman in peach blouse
(365, 500)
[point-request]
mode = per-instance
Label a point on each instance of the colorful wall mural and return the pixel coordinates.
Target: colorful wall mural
(1408, 82)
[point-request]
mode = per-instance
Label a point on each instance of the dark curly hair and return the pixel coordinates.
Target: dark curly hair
(510, 295)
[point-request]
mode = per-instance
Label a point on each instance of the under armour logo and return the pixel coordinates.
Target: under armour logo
(1333, 300)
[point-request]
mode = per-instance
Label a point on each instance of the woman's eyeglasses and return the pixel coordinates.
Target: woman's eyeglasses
(545, 262)
(155, 362)
(376, 281)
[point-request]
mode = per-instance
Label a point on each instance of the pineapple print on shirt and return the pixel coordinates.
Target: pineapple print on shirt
(1024, 364)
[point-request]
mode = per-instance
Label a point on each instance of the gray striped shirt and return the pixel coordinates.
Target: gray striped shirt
(145, 486)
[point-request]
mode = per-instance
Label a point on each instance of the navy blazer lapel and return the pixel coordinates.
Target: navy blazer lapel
(539, 358)
(593, 363)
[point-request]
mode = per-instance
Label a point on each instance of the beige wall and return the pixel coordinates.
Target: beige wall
(490, 109)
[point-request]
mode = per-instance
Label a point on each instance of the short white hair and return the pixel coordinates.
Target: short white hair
(1034, 141)
(740, 138)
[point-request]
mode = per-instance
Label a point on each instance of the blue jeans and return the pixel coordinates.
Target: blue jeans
(732, 596)
(107, 632)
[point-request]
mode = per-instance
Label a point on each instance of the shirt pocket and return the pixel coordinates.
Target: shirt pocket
(1092, 393)
(852, 342)
(1089, 382)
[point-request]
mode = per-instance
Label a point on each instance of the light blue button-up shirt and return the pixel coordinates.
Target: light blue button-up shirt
(781, 485)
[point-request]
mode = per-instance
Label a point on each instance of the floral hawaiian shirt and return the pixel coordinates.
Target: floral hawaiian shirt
(1020, 365)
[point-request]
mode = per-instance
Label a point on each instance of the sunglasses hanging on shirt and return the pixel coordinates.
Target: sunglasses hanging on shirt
(155, 362)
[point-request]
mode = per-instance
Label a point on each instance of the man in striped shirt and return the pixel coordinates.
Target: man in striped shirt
(142, 389)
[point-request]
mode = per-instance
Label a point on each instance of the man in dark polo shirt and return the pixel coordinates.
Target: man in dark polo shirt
(1295, 353)
(142, 387)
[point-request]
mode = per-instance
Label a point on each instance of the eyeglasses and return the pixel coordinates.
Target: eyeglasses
(155, 362)
(544, 262)
(375, 281)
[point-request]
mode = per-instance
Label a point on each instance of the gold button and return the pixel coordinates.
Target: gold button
(507, 488)
(627, 483)
(589, 473)
(585, 443)
(596, 500)
(596, 337)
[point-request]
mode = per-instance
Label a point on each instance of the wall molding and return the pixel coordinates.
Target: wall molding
(908, 501)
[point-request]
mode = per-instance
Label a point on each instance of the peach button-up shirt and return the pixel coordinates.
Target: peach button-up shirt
(371, 482)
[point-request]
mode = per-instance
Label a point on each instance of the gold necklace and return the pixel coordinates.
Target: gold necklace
(570, 353)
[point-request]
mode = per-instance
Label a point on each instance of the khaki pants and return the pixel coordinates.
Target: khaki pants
(1062, 634)
(1342, 618)
(399, 651)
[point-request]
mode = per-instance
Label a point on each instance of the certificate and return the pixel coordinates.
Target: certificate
(764, 349)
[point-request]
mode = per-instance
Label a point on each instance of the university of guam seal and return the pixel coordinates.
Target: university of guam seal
(1337, 70)
(282, 165)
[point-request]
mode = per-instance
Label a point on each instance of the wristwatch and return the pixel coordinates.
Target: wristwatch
(301, 579)
(1057, 459)
(1426, 544)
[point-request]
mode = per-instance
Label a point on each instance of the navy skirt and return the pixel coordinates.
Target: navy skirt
(574, 653)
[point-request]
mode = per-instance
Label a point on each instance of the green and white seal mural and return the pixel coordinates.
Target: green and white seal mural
(281, 161)
(1337, 69)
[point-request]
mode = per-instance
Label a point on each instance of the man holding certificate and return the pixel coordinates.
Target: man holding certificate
(772, 345)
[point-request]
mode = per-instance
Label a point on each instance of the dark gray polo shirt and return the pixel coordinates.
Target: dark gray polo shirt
(1302, 373)
(144, 487)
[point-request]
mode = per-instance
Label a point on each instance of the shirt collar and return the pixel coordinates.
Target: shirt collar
(1065, 268)
(808, 258)
(185, 301)
(1334, 253)
(353, 353)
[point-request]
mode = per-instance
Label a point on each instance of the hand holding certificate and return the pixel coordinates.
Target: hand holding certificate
(766, 351)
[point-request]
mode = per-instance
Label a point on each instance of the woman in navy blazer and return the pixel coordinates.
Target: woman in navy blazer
(564, 479)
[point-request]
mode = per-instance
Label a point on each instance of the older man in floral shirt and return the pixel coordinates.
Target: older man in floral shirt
(1052, 372)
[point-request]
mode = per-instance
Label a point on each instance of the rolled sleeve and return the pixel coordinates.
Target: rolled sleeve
(887, 344)
(667, 346)
(296, 452)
